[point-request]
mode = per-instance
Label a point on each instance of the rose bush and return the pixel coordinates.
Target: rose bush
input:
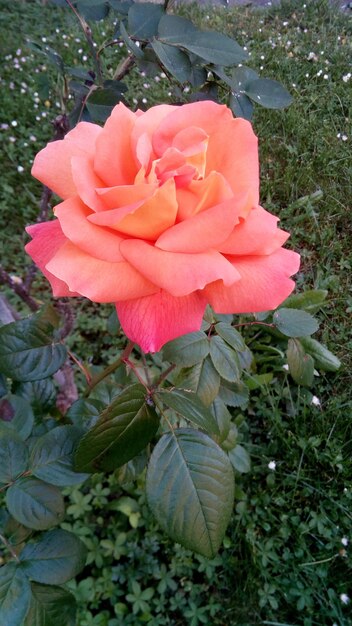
(161, 216)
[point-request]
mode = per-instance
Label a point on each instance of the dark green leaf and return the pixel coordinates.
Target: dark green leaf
(323, 358)
(27, 352)
(190, 489)
(174, 60)
(172, 27)
(78, 72)
(269, 93)
(189, 406)
(121, 432)
(16, 416)
(241, 106)
(3, 386)
(241, 76)
(234, 394)
(223, 418)
(231, 336)
(85, 413)
(120, 6)
(101, 103)
(225, 359)
(212, 47)
(39, 393)
(143, 20)
(295, 323)
(51, 606)
(203, 379)
(311, 300)
(138, 52)
(35, 504)
(15, 595)
(94, 10)
(187, 350)
(198, 76)
(52, 457)
(13, 457)
(55, 558)
(301, 365)
(51, 54)
(240, 459)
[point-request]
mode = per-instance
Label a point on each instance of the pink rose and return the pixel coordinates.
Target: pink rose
(160, 215)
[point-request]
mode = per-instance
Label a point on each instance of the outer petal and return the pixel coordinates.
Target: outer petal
(203, 231)
(236, 157)
(206, 115)
(257, 234)
(154, 320)
(86, 182)
(97, 241)
(179, 274)
(98, 280)
(47, 239)
(264, 283)
(114, 160)
(52, 165)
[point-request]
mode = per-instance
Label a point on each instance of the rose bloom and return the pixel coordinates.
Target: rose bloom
(161, 216)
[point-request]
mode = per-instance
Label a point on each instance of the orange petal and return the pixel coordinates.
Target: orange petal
(201, 195)
(86, 181)
(114, 160)
(178, 273)
(47, 239)
(204, 230)
(237, 157)
(98, 280)
(257, 234)
(148, 122)
(144, 219)
(97, 241)
(52, 165)
(264, 283)
(125, 195)
(154, 320)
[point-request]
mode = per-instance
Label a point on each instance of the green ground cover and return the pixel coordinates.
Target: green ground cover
(286, 558)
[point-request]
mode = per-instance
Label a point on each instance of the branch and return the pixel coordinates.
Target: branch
(19, 288)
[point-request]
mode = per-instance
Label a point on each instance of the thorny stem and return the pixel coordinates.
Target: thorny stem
(19, 288)
(161, 410)
(88, 35)
(110, 369)
(9, 548)
(137, 375)
(165, 374)
(124, 67)
(86, 373)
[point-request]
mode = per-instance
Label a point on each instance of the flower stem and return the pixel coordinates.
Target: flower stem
(110, 369)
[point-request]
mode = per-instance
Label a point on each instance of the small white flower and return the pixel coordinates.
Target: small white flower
(346, 77)
(20, 169)
(285, 367)
(13, 123)
(16, 279)
(344, 598)
(344, 137)
(272, 465)
(344, 541)
(315, 401)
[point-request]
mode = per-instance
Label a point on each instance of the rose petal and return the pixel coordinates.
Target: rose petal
(154, 320)
(52, 165)
(178, 273)
(148, 122)
(47, 239)
(126, 195)
(201, 195)
(203, 231)
(95, 240)
(86, 181)
(98, 280)
(257, 234)
(264, 283)
(114, 160)
(144, 219)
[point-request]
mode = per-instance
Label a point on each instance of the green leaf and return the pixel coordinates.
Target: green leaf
(189, 406)
(27, 352)
(323, 358)
(35, 504)
(213, 47)
(55, 558)
(121, 432)
(174, 60)
(51, 606)
(84, 413)
(234, 394)
(187, 350)
(13, 457)
(223, 418)
(295, 323)
(301, 365)
(241, 106)
(173, 27)
(94, 10)
(231, 336)
(269, 93)
(15, 595)
(52, 457)
(203, 379)
(39, 393)
(240, 459)
(311, 300)
(101, 103)
(190, 489)
(143, 20)
(138, 52)
(16, 416)
(241, 76)
(225, 359)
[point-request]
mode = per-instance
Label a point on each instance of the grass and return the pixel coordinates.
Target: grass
(284, 562)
